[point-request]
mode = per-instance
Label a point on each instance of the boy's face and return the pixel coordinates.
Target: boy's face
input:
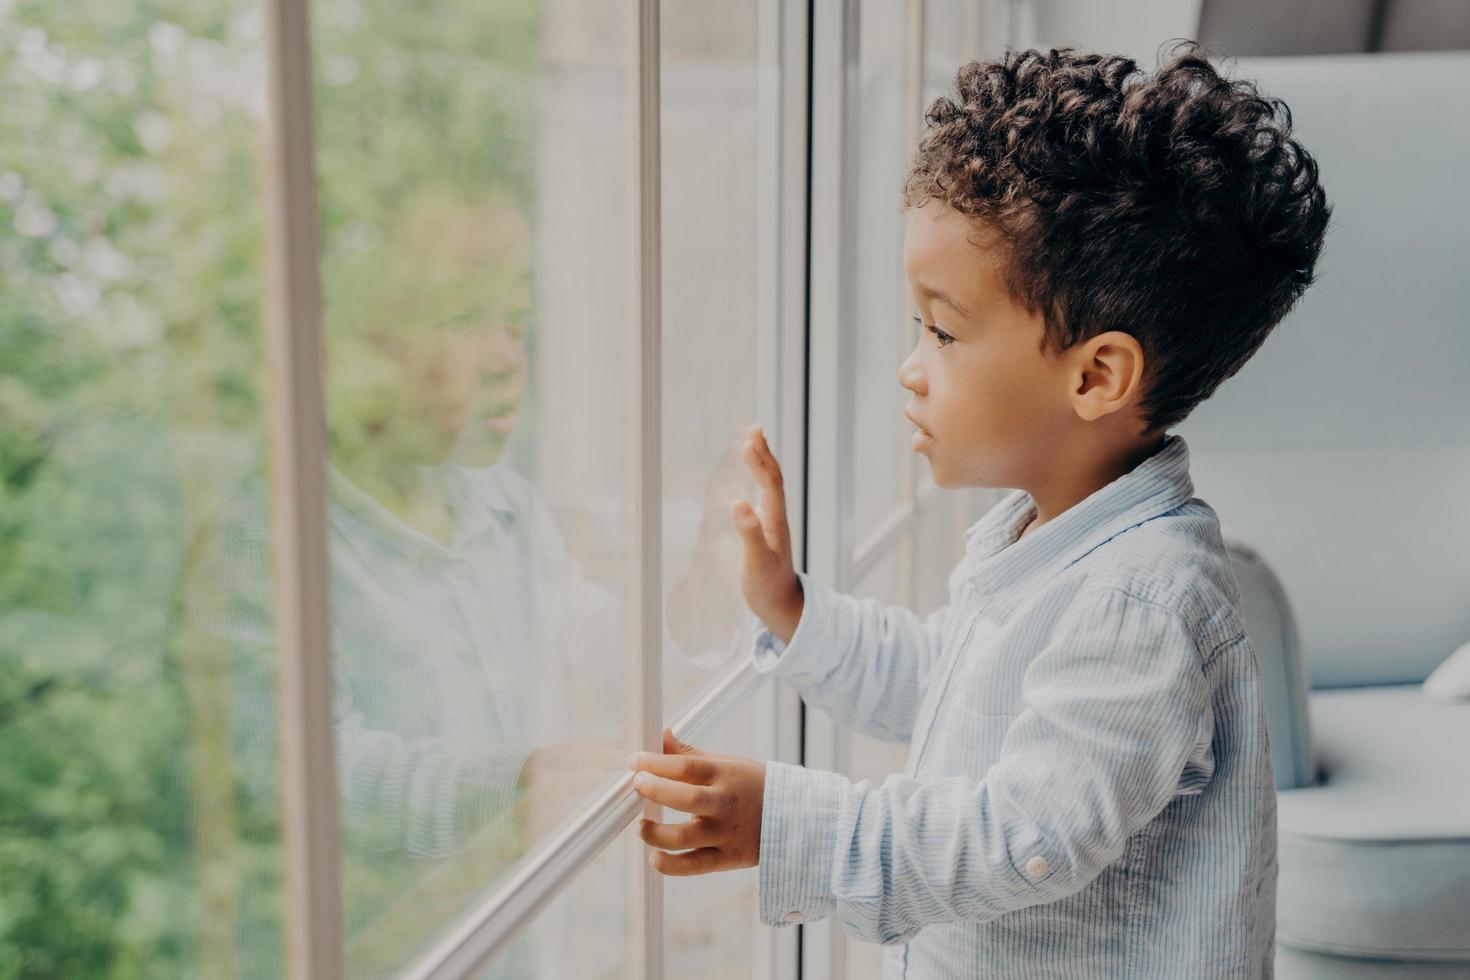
(988, 403)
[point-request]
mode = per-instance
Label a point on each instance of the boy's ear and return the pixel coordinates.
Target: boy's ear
(1107, 374)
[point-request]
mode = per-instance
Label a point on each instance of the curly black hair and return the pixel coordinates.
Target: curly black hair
(1175, 208)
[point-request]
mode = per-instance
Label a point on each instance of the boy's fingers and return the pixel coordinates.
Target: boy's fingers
(772, 486)
(672, 745)
(695, 769)
(683, 797)
(765, 447)
(699, 862)
(752, 458)
(773, 502)
(764, 466)
(748, 523)
(770, 460)
(676, 836)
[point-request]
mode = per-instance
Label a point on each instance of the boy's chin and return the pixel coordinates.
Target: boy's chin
(946, 478)
(941, 476)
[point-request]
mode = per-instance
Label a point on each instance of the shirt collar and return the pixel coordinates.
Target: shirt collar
(477, 500)
(476, 496)
(1001, 565)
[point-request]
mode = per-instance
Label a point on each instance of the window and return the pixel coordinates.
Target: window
(369, 450)
(489, 301)
(404, 382)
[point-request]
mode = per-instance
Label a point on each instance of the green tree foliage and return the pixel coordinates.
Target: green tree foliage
(131, 409)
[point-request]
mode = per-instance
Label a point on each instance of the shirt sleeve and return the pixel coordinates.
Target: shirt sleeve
(1116, 707)
(864, 663)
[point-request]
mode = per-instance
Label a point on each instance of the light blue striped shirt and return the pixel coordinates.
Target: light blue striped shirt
(1089, 789)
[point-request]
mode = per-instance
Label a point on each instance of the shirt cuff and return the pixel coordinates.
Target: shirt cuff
(798, 835)
(817, 632)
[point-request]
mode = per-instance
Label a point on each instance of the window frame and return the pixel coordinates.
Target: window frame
(297, 423)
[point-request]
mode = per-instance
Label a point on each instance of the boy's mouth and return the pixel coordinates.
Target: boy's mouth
(922, 439)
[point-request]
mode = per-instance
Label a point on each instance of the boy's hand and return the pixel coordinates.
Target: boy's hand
(767, 576)
(724, 793)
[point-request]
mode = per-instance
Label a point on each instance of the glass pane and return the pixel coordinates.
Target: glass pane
(881, 304)
(139, 796)
(714, 272)
(586, 930)
(474, 177)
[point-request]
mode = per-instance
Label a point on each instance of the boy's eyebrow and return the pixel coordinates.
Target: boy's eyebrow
(944, 298)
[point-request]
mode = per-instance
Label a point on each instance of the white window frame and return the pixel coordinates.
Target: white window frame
(297, 424)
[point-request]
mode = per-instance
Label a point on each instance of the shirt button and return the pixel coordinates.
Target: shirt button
(794, 916)
(1036, 867)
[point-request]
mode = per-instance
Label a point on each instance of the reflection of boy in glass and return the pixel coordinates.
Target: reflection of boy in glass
(478, 675)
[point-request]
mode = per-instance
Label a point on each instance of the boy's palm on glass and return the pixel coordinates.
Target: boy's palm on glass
(767, 575)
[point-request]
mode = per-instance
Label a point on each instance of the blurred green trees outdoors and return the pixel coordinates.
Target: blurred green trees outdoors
(132, 407)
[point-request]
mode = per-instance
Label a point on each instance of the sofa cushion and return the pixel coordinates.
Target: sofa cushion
(1375, 861)
(1450, 681)
(1271, 626)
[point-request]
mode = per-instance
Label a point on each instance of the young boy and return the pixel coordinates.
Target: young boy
(1089, 790)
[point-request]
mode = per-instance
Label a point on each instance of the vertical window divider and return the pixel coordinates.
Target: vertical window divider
(781, 394)
(645, 625)
(298, 457)
(913, 122)
(830, 439)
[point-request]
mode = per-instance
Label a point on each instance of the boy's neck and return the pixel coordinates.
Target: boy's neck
(1085, 475)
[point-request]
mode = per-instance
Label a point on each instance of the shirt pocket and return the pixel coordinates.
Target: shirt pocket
(972, 742)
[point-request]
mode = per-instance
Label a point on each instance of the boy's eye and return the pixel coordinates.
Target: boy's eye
(944, 339)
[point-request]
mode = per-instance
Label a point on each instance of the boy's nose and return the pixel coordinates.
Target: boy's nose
(911, 377)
